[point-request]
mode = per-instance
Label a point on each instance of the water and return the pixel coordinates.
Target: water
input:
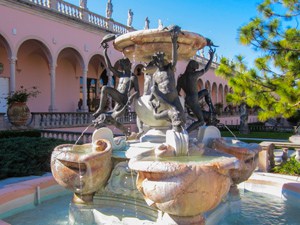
(229, 130)
(256, 209)
(83, 133)
(263, 209)
(184, 159)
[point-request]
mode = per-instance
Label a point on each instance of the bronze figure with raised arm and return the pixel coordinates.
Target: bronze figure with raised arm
(164, 91)
(121, 95)
(188, 83)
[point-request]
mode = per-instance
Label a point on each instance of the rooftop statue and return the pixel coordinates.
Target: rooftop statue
(130, 17)
(147, 22)
(83, 4)
(109, 9)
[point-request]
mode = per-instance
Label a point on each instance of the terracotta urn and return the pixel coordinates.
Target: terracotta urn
(183, 187)
(18, 113)
(83, 169)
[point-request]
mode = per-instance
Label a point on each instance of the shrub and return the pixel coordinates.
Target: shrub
(25, 156)
(19, 133)
(291, 167)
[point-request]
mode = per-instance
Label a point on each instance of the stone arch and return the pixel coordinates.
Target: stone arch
(225, 94)
(200, 84)
(45, 47)
(5, 45)
(138, 71)
(214, 93)
(33, 63)
(5, 54)
(96, 67)
(69, 73)
(208, 86)
(220, 94)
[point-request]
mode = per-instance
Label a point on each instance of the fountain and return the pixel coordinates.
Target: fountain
(165, 174)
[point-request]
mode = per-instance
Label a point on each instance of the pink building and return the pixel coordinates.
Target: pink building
(55, 46)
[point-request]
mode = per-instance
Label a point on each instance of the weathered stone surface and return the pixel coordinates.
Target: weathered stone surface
(141, 45)
(83, 169)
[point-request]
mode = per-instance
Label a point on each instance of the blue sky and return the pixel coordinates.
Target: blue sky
(218, 20)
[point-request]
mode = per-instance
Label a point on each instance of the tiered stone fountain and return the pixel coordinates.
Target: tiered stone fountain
(164, 177)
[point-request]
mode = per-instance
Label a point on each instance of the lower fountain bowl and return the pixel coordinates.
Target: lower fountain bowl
(246, 153)
(183, 187)
(83, 169)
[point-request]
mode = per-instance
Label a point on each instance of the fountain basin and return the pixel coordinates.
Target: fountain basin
(83, 169)
(246, 153)
(143, 44)
(183, 186)
(295, 138)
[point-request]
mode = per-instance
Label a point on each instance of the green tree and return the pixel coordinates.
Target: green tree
(273, 83)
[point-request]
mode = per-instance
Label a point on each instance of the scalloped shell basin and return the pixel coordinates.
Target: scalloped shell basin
(174, 185)
(143, 44)
(81, 168)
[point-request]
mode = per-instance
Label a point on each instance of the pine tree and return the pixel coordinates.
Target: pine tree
(273, 84)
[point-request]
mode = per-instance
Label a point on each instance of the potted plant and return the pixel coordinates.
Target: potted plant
(18, 112)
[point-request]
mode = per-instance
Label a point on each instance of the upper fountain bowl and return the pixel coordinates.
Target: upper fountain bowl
(143, 44)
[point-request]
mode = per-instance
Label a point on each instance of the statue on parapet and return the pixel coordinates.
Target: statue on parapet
(147, 23)
(163, 91)
(130, 17)
(122, 95)
(109, 9)
(83, 4)
(188, 83)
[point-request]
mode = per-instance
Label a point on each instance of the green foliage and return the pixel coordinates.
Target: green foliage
(22, 95)
(291, 167)
(273, 84)
(24, 156)
(19, 133)
(256, 134)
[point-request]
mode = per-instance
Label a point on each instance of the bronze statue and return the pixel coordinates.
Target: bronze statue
(244, 128)
(164, 88)
(121, 95)
(188, 82)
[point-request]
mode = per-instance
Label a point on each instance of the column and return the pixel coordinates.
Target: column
(84, 89)
(52, 107)
(110, 84)
(12, 80)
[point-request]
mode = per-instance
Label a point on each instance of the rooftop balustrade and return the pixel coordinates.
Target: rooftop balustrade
(80, 14)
